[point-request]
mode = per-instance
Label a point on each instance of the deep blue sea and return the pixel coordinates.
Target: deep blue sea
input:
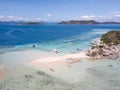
(51, 36)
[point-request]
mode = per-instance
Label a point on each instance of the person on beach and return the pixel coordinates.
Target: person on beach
(78, 49)
(34, 46)
(56, 51)
(72, 51)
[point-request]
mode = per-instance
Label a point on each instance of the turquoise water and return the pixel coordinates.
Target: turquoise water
(50, 36)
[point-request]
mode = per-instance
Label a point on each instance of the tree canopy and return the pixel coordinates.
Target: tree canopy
(111, 38)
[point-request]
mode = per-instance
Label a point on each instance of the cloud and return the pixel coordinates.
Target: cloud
(88, 17)
(15, 18)
(112, 17)
(38, 19)
(19, 18)
(49, 14)
(115, 12)
(118, 15)
(92, 17)
(1, 16)
(10, 17)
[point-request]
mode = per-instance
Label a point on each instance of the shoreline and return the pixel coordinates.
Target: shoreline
(64, 58)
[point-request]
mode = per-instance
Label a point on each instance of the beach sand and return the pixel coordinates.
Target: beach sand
(64, 67)
(39, 70)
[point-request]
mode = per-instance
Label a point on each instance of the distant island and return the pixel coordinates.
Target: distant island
(34, 23)
(89, 22)
(86, 22)
(23, 22)
(107, 47)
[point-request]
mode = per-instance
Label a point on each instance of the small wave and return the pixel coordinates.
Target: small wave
(81, 37)
(99, 31)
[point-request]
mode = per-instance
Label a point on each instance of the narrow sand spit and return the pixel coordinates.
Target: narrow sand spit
(63, 58)
(62, 66)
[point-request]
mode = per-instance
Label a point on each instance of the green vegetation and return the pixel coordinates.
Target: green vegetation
(94, 54)
(111, 38)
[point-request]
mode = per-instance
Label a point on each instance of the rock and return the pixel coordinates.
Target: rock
(106, 49)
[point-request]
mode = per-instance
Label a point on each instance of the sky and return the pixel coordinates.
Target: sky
(59, 10)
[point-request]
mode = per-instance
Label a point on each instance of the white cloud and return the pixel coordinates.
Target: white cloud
(38, 19)
(111, 17)
(11, 17)
(1, 16)
(32, 19)
(106, 17)
(19, 18)
(15, 18)
(118, 15)
(88, 17)
(49, 14)
(115, 12)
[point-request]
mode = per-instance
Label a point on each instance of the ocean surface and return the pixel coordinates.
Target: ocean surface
(50, 36)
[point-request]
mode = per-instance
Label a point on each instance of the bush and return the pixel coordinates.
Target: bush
(111, 38)
(94, 53)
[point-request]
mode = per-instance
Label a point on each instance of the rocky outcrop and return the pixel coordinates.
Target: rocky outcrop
(109, 50)
(104, 51)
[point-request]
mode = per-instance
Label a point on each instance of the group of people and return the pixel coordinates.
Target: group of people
(72, 51)
(57, 51)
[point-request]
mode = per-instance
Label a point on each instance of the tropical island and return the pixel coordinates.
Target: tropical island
(107, 47)
(86, 22)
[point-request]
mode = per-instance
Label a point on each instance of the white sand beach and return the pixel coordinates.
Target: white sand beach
(39, 70)
(62, 66)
